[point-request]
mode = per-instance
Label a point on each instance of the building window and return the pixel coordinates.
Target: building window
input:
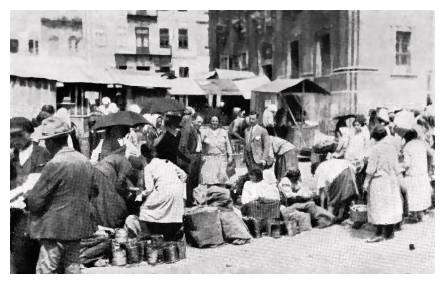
(295, 59)
(244, 61)
(266, 51)
(53, 44)
(183, 72)
(122, 67)
(183, 38)
(14, 45)
(73, 43)
(164, 40)
(141, 40)
(323, 55)
(143, 68)
(224, 62)
(234, 62)
(33, 46)
(403, 55)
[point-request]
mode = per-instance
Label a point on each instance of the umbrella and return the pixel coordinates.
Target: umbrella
(161, 105)
(345, 116)
(121, 118)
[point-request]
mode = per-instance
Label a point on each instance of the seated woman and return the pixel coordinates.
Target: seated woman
(296, 199)
(163, 208)
(259, 198)
(335, 180)
(257, 188)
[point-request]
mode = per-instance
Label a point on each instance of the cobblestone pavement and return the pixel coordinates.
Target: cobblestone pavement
(337, 249)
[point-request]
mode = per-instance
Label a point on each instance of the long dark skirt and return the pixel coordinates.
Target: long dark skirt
(341, 192)
(286, 162)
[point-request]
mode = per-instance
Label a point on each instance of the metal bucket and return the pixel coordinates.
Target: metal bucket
(119, 254)
(121, 236)
(151, 254)
(132, 252)
(170, 252)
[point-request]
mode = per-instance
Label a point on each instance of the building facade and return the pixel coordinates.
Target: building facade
(146, 40)
(367, 59)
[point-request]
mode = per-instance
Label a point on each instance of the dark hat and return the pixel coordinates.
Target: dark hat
(17, 124)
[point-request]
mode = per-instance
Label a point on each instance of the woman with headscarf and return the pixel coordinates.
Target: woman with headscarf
(384, 197)
(162, 209)
(416, 182)
(153, 130)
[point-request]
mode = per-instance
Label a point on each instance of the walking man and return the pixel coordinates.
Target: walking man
(59, 202)
(257, 150)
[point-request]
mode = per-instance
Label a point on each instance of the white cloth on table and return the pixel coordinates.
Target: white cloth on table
(254, 190)
(164, 191)
(416, 181)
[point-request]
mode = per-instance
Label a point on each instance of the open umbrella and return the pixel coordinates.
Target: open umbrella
(161, 105)
(121, 118)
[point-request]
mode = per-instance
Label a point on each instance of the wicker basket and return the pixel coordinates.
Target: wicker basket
(358, 213)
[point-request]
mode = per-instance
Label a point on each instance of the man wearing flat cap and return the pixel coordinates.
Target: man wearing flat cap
(25, 159)
(59, 203)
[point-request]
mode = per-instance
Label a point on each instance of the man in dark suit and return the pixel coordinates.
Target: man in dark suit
(59, 204)
(26, 158)
(193, 151)
(257, 150)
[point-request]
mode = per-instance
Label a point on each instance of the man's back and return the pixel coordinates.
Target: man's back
(59, 202)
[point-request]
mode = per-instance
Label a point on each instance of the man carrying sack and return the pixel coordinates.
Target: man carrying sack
(59, 202)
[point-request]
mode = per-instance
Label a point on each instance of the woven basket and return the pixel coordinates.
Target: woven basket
(358, 213)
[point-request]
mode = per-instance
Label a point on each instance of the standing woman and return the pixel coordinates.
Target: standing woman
(384, 197)
(416, 181)
(163, 208)
(217, 152)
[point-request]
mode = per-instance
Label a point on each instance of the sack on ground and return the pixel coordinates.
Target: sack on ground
(203, 227)
(233, 227)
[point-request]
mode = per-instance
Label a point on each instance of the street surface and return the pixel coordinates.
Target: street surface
(336, 249)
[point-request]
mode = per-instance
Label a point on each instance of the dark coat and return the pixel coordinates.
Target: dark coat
(59, 203)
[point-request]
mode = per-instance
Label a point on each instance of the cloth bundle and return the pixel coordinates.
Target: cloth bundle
(203, 227)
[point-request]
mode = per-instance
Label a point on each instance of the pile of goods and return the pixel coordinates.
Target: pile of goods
(271, 227)
(153, 250)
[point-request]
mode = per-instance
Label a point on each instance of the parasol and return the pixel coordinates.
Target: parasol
(161, 105)
(121, 118)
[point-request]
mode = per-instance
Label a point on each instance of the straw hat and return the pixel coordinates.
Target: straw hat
(54, 127)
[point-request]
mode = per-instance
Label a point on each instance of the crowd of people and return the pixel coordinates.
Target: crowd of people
(143, 178)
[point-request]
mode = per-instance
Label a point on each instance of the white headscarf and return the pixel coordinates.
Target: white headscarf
(112, 108)
(63, 114)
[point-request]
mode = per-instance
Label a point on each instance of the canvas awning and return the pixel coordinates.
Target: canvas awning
(57, 69)
(247, 85)
(185, 87)
(291, 85)
(137, 79)
(76, 70)
(229, 74)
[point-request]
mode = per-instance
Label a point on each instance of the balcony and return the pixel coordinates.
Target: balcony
(142, 50)
(142, 15)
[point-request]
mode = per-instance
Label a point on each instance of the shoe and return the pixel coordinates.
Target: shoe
(375, 239)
